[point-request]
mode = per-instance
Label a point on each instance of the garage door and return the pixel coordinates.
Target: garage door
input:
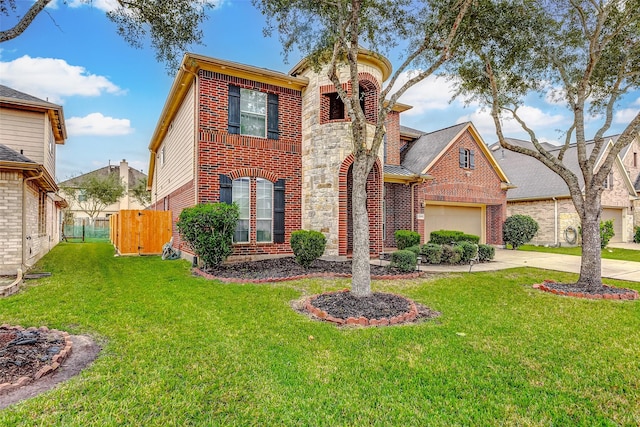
(460, 218)
(616, 216)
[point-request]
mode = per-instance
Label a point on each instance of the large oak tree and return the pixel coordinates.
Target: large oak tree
(332, 32)
(584, 53)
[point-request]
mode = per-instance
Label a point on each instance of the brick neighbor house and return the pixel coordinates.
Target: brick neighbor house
(30, 130)
(279, 145)
(544, 196)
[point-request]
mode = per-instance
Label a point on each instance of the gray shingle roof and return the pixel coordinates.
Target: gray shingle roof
(426, 148)
(7, 92)
(9, 155)
(134, 175)
(398, 171)
(533, 179)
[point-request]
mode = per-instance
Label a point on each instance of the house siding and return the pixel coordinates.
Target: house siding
(24, 130)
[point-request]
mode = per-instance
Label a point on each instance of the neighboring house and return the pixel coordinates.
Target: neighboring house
(129, 177)
(544, 196)
(279, 145)
(631, 160)
(30, 130)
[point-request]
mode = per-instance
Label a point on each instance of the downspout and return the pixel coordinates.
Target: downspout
(555, 221)
(24, 216)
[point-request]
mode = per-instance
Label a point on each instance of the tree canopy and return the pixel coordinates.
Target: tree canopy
(93, 193)
(171, 26)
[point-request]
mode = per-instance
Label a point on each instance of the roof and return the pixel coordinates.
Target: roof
(533, 179)
(9, 155)
(365, 56)
(11, 98)
(424, 150)
(134, 176)
(410, 132)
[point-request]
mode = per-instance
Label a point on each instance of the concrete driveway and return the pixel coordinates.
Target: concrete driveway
(507, 258)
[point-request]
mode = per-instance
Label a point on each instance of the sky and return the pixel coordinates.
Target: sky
(112, 94)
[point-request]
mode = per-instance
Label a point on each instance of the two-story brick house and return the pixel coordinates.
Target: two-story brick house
(279, 145)
(30, 130)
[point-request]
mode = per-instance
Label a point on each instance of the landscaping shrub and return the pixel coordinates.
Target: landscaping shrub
(469, 251)
(486, 252)
(606, 233)
(208, 229)
(518, 230)
(636, 236)
(451, 254)
(432, 253)
(404, 260)
(415, 249)
(446, 237)
(307, 246)
(406, 238)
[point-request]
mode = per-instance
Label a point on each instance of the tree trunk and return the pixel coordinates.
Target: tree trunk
(591, 265)
(361, 267)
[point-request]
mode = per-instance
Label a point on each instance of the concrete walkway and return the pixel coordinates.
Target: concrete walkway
(507, 258)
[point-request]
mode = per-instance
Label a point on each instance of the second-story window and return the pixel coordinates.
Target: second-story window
(467, 158)
(253, 113)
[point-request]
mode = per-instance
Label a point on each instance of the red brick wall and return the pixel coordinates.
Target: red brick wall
(455, 184)
(392, 148)
(181, 198)
(398, 211)
(371, 92)
(237, 155)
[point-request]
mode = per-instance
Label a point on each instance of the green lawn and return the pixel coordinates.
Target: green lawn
(609, 253)
(183, 351)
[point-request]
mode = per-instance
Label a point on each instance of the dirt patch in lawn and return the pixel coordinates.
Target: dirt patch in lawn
(33, 361)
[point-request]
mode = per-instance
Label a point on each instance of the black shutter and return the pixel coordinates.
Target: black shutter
(462, 158)
(225, 189)
(272, 116)
(472, 163)
(278, 211)
(234, 109)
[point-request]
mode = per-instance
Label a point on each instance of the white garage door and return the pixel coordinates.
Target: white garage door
(616, 216)
(467, 219)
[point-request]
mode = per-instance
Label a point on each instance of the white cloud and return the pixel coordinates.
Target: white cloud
(53, 79)
(98, 125)
(105, 5)
(542, 123)
(625, 115)
(432, 93)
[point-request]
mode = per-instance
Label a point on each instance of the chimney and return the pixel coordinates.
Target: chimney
(124, 178)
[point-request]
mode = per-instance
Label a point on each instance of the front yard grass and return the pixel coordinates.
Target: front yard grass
(184, 351)
(608, 253)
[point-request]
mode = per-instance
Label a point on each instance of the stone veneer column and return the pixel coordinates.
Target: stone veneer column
(324, 149)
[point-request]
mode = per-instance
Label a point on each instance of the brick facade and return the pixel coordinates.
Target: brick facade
(10, 221)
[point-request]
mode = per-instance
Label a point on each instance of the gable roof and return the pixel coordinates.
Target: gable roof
(10, 155)
(11, 98)
(536, 181)
(134, 176)
(421, 154)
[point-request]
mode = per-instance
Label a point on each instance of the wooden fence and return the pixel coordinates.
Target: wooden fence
(140, 232)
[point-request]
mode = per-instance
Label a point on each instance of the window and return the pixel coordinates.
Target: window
(253, 113)
(467, 158)
(635, 160)
(82, 195)
(241, 197)
(608, 183)
(266, 209)
(336, 106)
(162, 156)
(42, 213)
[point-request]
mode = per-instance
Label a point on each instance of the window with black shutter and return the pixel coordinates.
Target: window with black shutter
(234, 109)
(248, 111)
(467, 158)
(225, 189)
(278, 211)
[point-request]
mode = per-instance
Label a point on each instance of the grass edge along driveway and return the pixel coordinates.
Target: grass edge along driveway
(180, 350)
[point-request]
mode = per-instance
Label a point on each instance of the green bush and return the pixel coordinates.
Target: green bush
(208, 229)
(451, 254)
(469, 251)
(606, 233)
(486, 252)
(404, 260)
(432, 253)
(415, 249)
(406, 238)
(636, 236)
(307, 246)
(446, 237)
(518, 230)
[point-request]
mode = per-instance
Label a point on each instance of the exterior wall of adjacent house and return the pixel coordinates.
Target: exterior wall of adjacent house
(632, 164)
(480, 186)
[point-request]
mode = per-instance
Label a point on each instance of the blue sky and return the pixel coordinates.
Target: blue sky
(112, 94)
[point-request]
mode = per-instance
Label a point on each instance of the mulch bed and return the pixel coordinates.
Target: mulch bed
(279, 269)
(572, 290)
(29, 354)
